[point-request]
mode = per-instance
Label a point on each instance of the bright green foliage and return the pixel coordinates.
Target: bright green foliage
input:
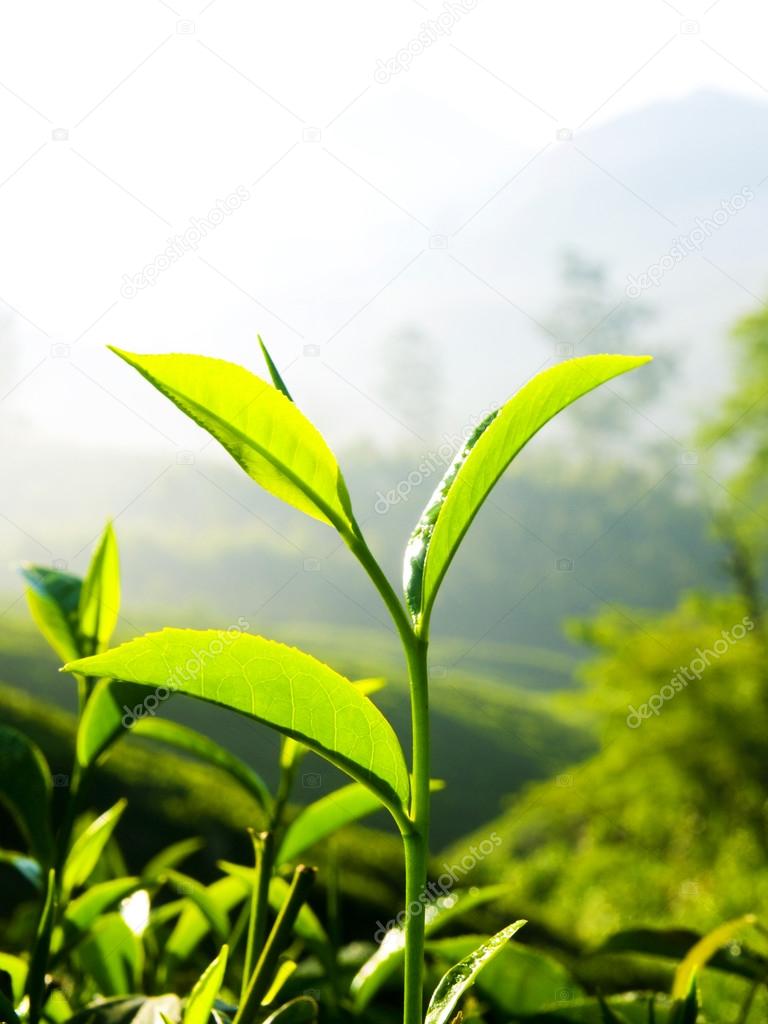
(199, 894)
(274, 373)
(483, 459)
(99, 604)
(88, 848)
(206, 990)
(326, 816)
(82, 912)
(520, 980)
(54, 600)
(458, 979)
(274, 684)
(261, 429)
(26, 789)
(700, 954)
(667, 823)
(388, 958)
(112, 955)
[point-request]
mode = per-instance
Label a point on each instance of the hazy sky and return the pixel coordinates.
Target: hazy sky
(303, 162)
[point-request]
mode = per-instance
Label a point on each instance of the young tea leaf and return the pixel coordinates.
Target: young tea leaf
(277, 685)
(481, 462)
(206, 990)
(26, 790)
(53, 598)
(88, 848)
(389, 957)
(99, 603)
(112, 956)
(700, 954)
(458, 979)
(274, 373)
(326, 816)
(263, 431)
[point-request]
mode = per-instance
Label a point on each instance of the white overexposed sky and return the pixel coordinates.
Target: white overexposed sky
(352, 149)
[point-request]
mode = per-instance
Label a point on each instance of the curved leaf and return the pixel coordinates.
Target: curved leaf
(277, 685)
(171, 857)
(206, 990)
(28, 867)
(326, 816)
(675, 943)
(521, 980)
(481, 462)
(112, 955)
(274, 373)
(698, 956)
(26, 790)
(88, 848)
(53, 598)
(199, 894)
(263, 431)
(389, 957)
(83, 911)
(458, 979)
(99, 603)
(192, 926)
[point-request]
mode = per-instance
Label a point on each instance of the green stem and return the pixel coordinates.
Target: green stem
(416, 843)
(415, 828)
(264, 851)
(279, 938)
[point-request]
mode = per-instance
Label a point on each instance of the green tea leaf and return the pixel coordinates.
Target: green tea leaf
(193, 925)
(699, 955)
(199, 894)
(99, 603)
(88, 848)
(112, 955)
(263, 431)
(674, 944)
(277, 685)
(389, 957)
(171, 857)
(53, 598)
(326, 816)
(26, 790)
(29, 868)
(206, 990)
(481, 462)
(519, 981)
(274, 373)
(458, 979)
(16, 970)
(83, 911)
